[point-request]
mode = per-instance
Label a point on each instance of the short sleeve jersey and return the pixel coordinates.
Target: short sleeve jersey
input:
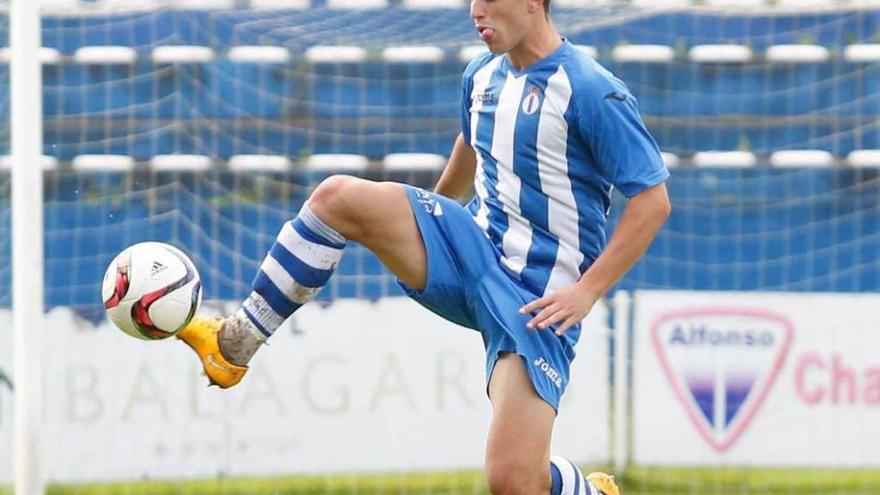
(551, 142)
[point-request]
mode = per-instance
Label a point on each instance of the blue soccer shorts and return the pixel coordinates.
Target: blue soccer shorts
(466, 284)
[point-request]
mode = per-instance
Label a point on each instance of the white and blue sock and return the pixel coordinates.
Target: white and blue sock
(298, 265)
(568, 479)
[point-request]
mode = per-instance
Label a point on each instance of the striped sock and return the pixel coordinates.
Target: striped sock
(299, 264)
(568, 479)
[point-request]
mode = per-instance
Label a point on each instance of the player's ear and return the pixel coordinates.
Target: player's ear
(535, 6)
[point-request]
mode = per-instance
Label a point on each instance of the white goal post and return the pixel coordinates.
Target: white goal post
(27, 244)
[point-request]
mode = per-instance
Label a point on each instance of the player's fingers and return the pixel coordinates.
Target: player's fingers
(561, 329)
(537, 303)
(544, 314)
(556, 317)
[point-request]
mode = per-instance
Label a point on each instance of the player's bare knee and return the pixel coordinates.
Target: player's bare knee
(332, 202)
(509, 477)
(331, 192)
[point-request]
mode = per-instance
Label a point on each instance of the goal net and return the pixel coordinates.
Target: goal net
(207, 124)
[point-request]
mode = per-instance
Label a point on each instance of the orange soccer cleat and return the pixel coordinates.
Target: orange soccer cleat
(201, 334)
(604, 482)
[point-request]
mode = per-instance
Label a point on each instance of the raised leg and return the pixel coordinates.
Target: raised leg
(301, 261)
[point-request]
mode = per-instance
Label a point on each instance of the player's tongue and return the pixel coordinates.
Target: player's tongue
(487, 33)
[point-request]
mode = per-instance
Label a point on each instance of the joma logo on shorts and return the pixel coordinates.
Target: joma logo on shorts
(549, 371)
(430, 204)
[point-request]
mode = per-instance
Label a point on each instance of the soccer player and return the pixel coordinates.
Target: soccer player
(546, 134)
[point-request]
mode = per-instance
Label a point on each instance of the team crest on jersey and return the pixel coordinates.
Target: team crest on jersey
(532, 101)
(721, 363)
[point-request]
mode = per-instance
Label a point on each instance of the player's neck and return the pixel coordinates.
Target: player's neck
(535, 47)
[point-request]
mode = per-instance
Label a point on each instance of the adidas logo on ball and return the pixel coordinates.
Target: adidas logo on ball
(157, 267)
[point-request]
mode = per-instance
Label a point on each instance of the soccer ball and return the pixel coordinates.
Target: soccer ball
(151, 290)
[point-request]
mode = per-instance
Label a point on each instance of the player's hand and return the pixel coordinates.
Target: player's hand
(566, 307)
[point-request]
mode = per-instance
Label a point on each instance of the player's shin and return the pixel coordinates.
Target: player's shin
(298, 265)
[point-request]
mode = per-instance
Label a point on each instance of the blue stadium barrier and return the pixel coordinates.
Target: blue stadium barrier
(225, 108)
(145, 138)
(265, 91)
(303, 28)
(731, 229)
(142, 139)
(756, 228)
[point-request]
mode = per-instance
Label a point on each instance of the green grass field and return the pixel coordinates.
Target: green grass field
(638, 481)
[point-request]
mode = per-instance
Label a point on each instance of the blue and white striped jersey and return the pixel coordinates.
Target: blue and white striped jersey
(551, 142)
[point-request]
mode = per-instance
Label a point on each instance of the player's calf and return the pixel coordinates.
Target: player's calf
(506, 476)
(299, 264)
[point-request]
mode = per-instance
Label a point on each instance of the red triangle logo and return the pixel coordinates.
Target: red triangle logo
(721, 363)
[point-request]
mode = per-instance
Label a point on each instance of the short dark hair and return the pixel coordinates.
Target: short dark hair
(547, 6)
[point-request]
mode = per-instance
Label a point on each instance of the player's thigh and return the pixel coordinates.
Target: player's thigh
(379, 216)
(518, 447)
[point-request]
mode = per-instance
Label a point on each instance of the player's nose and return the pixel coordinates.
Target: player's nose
(478, 9)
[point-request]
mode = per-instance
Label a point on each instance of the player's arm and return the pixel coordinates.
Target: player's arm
(644, 215)
(642, 218)
(458, 176)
